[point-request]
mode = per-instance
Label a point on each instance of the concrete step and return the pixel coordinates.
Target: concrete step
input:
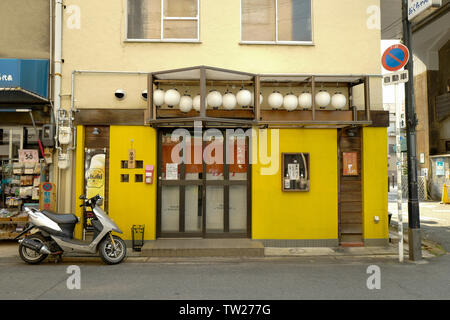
(203, 248)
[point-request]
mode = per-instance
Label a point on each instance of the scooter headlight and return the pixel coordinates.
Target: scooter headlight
(100, 202)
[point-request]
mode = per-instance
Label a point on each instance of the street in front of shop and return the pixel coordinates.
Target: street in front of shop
(280, 273)
(272, 278)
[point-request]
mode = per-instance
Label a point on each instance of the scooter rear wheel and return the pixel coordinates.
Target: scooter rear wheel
(111, 254)
(30, 256)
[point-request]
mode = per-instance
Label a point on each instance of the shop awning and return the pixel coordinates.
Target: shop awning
(23, 81)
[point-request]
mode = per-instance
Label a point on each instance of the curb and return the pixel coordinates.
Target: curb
(96, 259)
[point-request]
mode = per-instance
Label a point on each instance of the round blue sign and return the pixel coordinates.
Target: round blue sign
(395, 57)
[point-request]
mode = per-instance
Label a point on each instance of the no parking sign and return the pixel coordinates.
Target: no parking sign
(395, 57)
(47, 196)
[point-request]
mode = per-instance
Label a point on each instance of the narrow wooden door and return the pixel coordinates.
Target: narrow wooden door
(350, 191)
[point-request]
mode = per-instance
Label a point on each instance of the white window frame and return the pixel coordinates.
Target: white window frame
(279, 42)
(162, 39)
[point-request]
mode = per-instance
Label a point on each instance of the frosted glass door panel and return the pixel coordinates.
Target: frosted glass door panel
(238, 208)
(214, 208)
(193, 208)
(170, 209)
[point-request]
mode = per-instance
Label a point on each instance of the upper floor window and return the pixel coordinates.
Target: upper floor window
(276, 21)
(163, 20)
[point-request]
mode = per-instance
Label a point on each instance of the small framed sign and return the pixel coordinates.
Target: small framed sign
(28, 156)
(295, 169)
(350, 163)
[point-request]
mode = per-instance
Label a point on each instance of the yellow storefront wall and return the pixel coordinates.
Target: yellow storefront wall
(375, 181)
(129, 202)
(298, 215)
(132, 202)
(275, 214)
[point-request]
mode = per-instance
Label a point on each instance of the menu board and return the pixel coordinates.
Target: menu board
(171, 171)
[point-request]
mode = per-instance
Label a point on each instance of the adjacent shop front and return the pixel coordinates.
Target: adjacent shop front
(26, 142)
(300, 166)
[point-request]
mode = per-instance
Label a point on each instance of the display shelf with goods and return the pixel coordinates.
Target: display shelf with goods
(19, 188)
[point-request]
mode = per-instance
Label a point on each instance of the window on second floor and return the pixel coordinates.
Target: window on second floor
(163, 20)
(276, 21)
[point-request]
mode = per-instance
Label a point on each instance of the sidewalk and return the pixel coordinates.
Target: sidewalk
(9, 253)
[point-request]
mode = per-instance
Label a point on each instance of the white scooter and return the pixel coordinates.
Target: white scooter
(54, 235)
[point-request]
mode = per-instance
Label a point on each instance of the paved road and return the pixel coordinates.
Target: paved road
(434, 219)
(273, 278)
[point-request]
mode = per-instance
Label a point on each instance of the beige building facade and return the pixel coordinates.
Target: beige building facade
(345, 39)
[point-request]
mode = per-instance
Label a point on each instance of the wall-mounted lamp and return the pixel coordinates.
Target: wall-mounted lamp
(352, 132)
(96, 131)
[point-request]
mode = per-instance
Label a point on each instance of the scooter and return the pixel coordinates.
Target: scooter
(53, 235)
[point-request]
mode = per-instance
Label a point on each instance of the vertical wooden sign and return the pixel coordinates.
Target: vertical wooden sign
(350, 163)
(131, 159)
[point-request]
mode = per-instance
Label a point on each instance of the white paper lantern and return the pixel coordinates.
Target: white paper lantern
(323, 98)
(275, 100)
(305, 100)
(214, 99)
(338, 100)
(196, 103)
(229, 101)
(185, 103)
(290, 102)
(244, 98)
(158, 97)
(172, 97)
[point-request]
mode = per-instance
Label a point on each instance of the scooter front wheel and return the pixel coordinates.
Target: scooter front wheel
(112, 253)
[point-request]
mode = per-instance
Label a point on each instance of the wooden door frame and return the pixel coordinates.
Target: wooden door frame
(341, 176)
(203, 182)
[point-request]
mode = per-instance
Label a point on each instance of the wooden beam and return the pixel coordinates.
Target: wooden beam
(202, 92)
(313, 97)
(220, 113)
(367, 97)
(257, 107)
(195, 82)
(110, 116)
(151, 115)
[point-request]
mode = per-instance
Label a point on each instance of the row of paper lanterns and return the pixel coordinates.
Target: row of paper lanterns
(244, 98)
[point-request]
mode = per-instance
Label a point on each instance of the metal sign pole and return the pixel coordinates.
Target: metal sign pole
(398, 113)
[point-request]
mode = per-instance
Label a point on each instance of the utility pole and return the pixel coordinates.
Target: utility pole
(414, 237)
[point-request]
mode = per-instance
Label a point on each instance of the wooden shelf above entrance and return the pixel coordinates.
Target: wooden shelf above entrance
(206, 75)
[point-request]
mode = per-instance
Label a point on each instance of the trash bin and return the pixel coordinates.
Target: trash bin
(137, 234)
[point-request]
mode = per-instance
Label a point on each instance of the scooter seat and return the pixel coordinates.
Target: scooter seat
(61, 218)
